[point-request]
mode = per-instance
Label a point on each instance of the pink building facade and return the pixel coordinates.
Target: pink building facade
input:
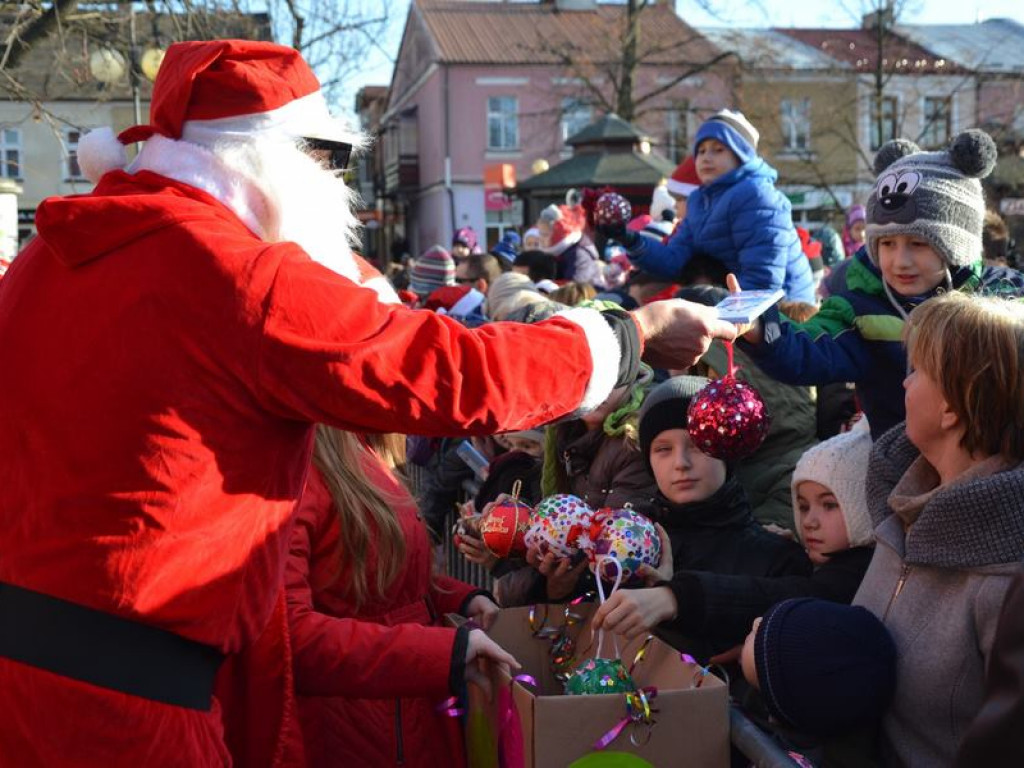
(452, 112)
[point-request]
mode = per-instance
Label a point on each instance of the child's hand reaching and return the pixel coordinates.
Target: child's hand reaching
(663, 572)
(560, 572)
(471, 546)
(634, 612)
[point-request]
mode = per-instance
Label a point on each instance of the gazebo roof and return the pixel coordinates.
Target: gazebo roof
(610, 129)
(599, 169)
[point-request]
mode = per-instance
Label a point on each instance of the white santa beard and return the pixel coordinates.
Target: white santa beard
(307, 203)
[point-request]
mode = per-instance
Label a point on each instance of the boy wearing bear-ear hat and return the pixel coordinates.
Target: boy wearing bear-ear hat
(925, 218)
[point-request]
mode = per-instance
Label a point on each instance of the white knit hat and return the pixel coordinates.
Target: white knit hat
(841, 465)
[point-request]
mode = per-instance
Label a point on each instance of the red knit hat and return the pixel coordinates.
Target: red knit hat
(210, 90)
(684, 178)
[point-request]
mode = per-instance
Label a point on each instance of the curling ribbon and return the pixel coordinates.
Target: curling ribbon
(702, 671)
(450, 706)
(638, 709)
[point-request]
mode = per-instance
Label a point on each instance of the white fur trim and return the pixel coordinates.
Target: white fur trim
(385, 291)
(307, 116)
(200, 168)
(605, 355)
(467, 303)
(570, 239)
(680, 188)
(100, 152)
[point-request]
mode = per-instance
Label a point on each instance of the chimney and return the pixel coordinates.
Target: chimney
(886, 16)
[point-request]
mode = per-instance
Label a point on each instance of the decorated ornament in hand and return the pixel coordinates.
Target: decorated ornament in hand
(557, 525)
(504, 527)
(612, 210)
(727, 419)
(626, 536)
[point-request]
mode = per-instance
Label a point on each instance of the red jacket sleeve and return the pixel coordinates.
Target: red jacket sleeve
(348, 657)
(449, 594)
(331, 353)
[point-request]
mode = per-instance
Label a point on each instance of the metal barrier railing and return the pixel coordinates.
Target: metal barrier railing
(454, 564)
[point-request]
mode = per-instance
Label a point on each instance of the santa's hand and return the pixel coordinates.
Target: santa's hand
(480, 646)
(634, 612)
(676, 333)
(482, 610)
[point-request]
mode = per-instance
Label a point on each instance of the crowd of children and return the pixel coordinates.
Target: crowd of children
(810, 570)
(238, 557)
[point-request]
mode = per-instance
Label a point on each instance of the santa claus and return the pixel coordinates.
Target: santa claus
(168, 342)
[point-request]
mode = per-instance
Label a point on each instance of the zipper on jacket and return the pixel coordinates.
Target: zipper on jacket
(904, 573)
(400, 756)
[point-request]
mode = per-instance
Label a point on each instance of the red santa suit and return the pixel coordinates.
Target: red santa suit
(163, 366)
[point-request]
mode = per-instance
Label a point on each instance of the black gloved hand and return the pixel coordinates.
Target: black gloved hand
(619, 234)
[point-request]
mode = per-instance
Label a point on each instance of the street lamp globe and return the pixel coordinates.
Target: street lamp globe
(151, 61)
(107, 65)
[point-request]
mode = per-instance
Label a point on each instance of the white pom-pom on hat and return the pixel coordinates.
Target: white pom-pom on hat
(99, 152)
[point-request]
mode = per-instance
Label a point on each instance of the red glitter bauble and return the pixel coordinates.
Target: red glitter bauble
(728, 420)
(612, 210)
(504, 527)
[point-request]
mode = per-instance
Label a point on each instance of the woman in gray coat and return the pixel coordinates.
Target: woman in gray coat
(946, 492)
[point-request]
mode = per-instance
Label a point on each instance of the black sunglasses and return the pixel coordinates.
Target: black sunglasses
(338, 152)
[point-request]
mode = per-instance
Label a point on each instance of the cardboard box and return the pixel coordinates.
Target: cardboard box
(691, 725)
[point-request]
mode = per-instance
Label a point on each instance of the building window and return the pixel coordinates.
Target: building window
(677, 132)
(575, 117)
(796, 125)
(72, 171)
(889, 129)
(503, 122)
(10, 153)
(937, 119)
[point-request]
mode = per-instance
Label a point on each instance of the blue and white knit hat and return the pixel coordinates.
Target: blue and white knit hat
(934, 195)
(732, 129)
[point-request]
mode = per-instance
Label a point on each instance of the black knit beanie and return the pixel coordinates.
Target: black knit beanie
(665, 408)
(824, 668)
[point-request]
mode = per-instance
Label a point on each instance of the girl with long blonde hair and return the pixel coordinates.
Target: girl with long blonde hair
(372, 660)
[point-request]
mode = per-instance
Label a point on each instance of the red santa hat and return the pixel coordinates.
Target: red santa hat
(684, 178)
(223, 88)
(456, 300)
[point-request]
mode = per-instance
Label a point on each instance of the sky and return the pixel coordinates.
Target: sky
(743, 13)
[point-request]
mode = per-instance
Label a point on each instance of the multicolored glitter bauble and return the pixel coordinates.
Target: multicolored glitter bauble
(557, 524)
(627, 536)
(595, 676)
(728, 420)
(612, 210)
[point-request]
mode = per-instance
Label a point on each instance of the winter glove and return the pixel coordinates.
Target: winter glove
(619, 234)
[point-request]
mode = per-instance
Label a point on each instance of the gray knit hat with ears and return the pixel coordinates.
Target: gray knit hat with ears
(934, 195)
(841, 465)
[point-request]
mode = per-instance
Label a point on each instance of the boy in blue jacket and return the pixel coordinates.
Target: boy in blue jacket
(736, 221)
(925, 218)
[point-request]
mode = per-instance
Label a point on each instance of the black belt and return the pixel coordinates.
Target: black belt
(105, 650)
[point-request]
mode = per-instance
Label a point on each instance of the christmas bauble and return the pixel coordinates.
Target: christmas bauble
(595, 676)
(557, 524)
(627, 536)
(728, 419)
(503, 528)
(612, 209)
